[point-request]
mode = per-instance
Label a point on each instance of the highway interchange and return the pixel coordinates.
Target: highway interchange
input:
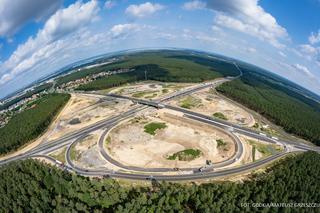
(138, 173)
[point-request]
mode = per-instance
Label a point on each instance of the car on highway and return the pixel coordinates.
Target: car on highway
(150, 178)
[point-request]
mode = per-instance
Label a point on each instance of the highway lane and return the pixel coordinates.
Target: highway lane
(183, 92)
(203, 85)
(194, 89)
(180, 177)
(243, 130)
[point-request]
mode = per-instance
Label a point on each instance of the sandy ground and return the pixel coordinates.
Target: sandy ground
(210, 103)
(130, 145)
(149, 90)
(88, 152)
(90, 158)
(88, 110)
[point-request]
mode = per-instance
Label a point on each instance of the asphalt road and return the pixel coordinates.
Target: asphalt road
(180, 177)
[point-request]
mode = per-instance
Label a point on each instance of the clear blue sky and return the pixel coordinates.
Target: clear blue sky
(37, 37)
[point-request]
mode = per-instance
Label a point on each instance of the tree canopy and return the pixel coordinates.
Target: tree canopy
(296, 113)
(29, 186)
(30, 123)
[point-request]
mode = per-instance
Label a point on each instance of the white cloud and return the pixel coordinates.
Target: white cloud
(46, 42)
(308, 49)
(121, 29)
(314, 38)
(205, 38)
(303, 69)
(109, 4)
(143, 10)
(216, 28)
(251, 50)
(282, 54)
(248, 17)
(165, 35)
(14, 14)
(309, 52)
(5, 78)
(298, 71)
(69, 19)
(194, 5)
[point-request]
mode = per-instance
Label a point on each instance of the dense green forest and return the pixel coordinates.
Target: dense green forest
(166, 66)
(154, 71)
(30, 186)
(29, 124)
(296, 113)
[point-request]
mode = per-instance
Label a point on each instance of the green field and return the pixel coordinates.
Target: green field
(185, 155)
(74, 154)
(31, 186)
(61, 156)
(189, 102)
(151, 128)
(220, 115)
(108, 140)
(221, 143)
(31, 123)
(272, 98)
(265, 149)
(165, 66)
(144, 94)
